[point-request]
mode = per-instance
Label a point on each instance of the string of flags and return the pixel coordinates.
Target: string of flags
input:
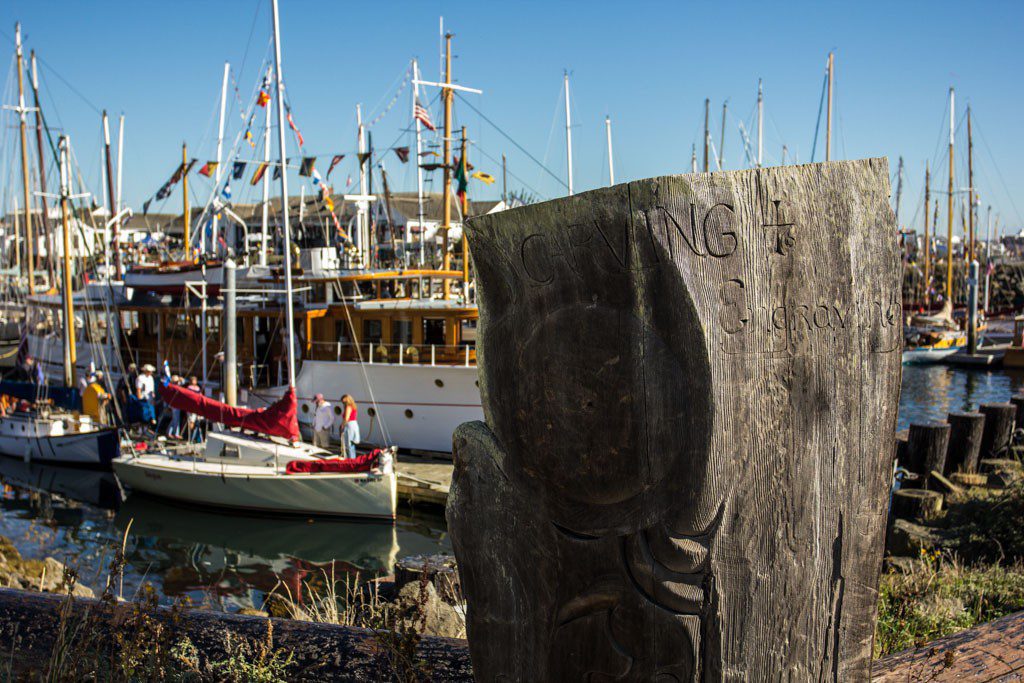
(165, 190)
(405, 82)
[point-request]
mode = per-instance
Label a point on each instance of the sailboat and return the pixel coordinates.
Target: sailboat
(257, 471)
(37, 430)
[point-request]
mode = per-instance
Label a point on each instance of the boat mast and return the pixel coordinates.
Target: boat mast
(264, 230)
(279, 97)
(899, 191)
(186, 211)
(504, 181)
(707, 134)
(949, 204)
(611, 160)
(568, 132)
(927, 240)
(69, 313)
(693, 158)
(29, 239)
(828, 115)
(448, 93)
(120, 160)
(220, 152)
(988, 254)
(760, 124)
(419, 162)
(721, 139)
(970, 184)
(47, 232)
(112, 199)
(465, 214)
(362, 220)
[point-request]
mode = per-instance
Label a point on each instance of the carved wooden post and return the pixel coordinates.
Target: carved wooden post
(690, 386)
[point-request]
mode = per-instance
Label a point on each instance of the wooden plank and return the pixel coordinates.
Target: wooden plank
(690, 385)
(990, 652)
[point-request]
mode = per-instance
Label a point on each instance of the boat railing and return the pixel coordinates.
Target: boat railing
(395, 354)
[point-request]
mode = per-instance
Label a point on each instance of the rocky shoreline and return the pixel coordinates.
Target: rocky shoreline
(47, 575)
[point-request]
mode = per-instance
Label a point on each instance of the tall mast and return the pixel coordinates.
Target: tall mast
(448, 93)
(828, 115)
(970, 184)
(784, 155)
(611, 160)
(48, 234)
(504, 181)
(707, 106)
(69, 313)
(949, 205)
(721, 138)
(29, 239)
(120, 160)
(264, 229)
(362, 222)
(899, 191)
(111, 199)
(760, 124)
(419, 166)
(279, 92)
(693, 159)
(465, 214)
(186, 215)
(568, 132)
(220, 151)
(927, 238)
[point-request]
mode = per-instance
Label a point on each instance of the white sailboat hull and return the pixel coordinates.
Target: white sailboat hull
(417, 407)
(22, 437)
(261, 489)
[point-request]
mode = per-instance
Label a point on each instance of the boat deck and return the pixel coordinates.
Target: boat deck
(236, 469)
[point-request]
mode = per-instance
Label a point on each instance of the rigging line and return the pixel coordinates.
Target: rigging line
(999, 173)
(480, 149)
(57, 74)
(509, 138)
(817, 123)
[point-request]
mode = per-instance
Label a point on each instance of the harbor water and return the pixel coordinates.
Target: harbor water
(230, 562)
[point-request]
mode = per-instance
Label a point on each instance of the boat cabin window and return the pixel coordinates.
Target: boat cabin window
(372, 331)
(434, 331)
(467, 332)
(341, 331)
(401, 332)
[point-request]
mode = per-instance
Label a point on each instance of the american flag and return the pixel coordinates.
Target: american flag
(420, 112)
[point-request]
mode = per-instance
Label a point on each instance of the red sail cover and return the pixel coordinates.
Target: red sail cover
(278, 419)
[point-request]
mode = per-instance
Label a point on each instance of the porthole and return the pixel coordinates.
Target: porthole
(305, 407)
(438, 383)
(337, 410)
(371, 412)
(408, 413)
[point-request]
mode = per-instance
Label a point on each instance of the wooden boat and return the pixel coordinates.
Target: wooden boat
(932, 338)
(171, 277)
(249, 473)
(57, 439)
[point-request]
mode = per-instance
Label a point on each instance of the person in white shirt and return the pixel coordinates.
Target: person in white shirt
(323, 418)
(145, 388)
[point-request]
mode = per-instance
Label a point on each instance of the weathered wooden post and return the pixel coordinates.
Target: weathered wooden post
(965, 434)
(926, 449)
(690, 387)
(998, 428)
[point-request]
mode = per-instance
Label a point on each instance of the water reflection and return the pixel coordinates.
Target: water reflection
(931, 392)
(214, 558)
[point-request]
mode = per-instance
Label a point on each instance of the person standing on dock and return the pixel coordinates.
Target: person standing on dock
(323, 418)
(350, 430)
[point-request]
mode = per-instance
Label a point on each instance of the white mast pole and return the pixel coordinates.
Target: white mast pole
(279, 92)
(220, 148)
(264, 232)
(419, 161)
(362, 222)
(103, 195)
(568, 132)
(988, 254)
(120, 160)
(760, 124)
(611, 161)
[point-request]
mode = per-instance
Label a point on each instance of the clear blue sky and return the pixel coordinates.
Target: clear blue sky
(647, 65)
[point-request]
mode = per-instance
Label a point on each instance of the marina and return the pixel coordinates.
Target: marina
(371, 380)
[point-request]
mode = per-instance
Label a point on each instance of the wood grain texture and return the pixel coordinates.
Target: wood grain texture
(965, 434)
(926, 449)
(995, 438)
(690, 388)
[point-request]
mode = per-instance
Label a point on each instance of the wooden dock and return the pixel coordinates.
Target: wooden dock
(423, 481)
